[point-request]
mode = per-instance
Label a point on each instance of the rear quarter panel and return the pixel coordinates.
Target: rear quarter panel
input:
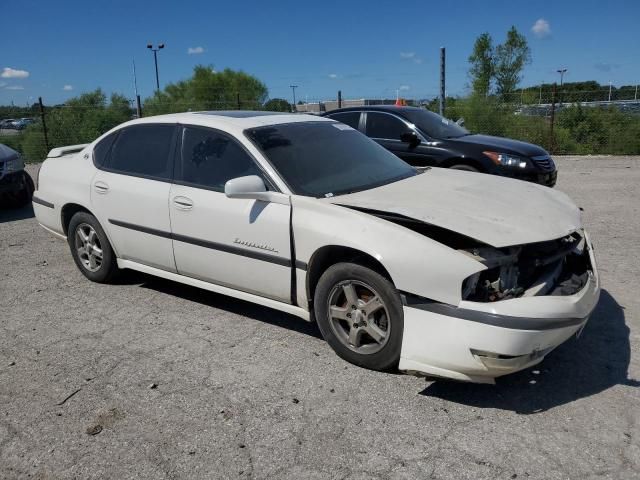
(61, 181)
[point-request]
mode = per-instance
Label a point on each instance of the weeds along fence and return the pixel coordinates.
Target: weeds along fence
(563, 122)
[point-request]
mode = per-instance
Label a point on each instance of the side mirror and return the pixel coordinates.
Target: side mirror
(411, 138)
(253, 187)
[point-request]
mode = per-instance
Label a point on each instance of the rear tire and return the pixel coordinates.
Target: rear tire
(463, 167)
(360, 315)
(90, 248)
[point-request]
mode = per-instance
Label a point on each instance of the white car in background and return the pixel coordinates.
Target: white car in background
(431, 271)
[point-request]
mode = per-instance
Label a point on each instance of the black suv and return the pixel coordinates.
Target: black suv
(423, 138)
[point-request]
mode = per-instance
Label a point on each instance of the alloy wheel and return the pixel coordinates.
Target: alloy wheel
(359, 317)
(88, 247)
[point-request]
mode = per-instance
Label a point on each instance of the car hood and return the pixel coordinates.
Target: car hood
(501, 144)
(494, 210)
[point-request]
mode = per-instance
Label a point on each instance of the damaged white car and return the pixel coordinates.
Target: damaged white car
(445, 273)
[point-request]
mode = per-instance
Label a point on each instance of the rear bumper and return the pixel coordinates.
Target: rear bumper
(477, 342)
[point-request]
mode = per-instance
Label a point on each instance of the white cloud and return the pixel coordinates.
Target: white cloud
(404, 88)
(195, 50)
(8, 72)
(14, 87)
(67, 88)
(333, 75)
(541, 28)
(411, 56)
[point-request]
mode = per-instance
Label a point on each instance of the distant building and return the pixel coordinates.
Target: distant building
(328, 105)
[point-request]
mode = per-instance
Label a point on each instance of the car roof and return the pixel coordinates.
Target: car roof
(236, 119)
(374, 108)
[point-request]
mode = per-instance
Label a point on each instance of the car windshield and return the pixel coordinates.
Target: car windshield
(434, 125)
(323, 159)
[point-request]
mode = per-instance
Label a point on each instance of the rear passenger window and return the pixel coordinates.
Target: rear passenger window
(210, 159)
(383, 125)
(102, 149)
(143, 150)
(348, 118)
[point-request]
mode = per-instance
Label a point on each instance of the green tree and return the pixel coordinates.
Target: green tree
(80, 120)
(208, 90)
(277, 105)
(481, 60)
(510, 59)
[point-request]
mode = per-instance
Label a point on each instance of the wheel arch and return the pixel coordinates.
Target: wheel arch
(329, 255)
(463, 161)
(68, 211)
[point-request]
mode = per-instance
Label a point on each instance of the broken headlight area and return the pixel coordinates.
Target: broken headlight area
(557, 267)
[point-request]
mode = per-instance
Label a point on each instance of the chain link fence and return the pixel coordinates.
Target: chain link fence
(562, 121)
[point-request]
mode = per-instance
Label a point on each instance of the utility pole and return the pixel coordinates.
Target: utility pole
(44, 124)
(293, 89)
(540, 98)
(609, 90)
(635, 97)
(155, 59)
(340, 98)
(442, 80)
(135, 87)
(553, 111)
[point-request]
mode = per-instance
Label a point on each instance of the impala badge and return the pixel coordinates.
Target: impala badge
(255, 245)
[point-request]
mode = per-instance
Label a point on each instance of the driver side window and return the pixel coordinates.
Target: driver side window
(208, 159)
(385, 126)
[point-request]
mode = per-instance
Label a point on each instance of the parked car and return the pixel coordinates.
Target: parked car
(424, 138)
(16, 185)
(439, 272)
(7, 123)
(22, 123)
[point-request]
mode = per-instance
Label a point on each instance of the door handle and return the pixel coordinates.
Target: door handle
(101, 187)
(182, 203)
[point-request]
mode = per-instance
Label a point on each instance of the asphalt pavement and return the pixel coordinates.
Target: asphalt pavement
(151, 379)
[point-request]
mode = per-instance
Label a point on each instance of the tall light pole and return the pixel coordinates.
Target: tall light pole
(293, 89)
(561, 71)
(155, 59)
(609, 90)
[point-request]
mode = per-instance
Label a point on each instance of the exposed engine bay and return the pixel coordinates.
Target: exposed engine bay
(557, 267)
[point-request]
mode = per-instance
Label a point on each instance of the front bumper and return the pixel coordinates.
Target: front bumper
(12, 182)
(477, 341)
(547, 179)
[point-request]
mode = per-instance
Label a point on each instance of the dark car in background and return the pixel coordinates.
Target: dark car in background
(16, 185)
(423, 138)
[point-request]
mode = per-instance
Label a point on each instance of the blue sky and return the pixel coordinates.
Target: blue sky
(365, 48)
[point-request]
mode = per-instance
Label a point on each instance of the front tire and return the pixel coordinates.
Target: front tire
(24, 196)
(359, 313)
(91, 249)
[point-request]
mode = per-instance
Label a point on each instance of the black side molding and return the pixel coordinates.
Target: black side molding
(502, 321)
(39, 201)
(265, 257)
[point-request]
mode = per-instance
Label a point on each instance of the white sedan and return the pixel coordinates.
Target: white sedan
(430, 271)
